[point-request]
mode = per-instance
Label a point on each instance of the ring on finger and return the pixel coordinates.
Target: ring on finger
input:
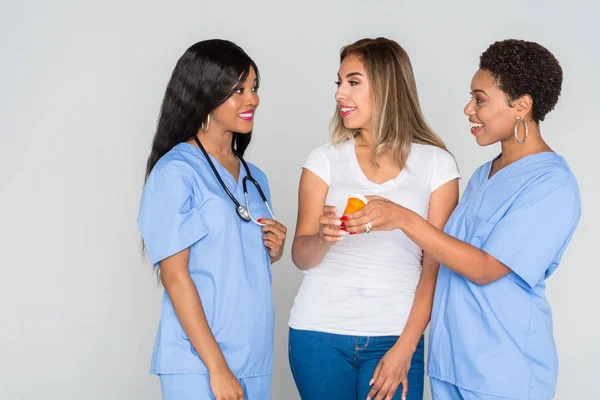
(369, 227)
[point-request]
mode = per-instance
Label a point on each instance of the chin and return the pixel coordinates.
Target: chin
(483, 141)
(245, 128)
(350, 125)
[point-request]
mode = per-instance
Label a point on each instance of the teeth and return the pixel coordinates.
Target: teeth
(346, 109)
(247, 115)
(474, 125)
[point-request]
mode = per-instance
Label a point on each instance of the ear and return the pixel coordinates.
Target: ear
(524, 106)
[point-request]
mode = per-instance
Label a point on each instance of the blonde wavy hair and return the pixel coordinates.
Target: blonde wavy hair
(397, 117)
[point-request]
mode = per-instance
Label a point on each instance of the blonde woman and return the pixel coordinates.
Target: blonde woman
(356, 328)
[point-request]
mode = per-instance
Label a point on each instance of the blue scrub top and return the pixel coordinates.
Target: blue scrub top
(183, 205)
(497, 339)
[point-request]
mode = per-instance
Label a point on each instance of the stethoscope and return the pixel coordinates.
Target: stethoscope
(242, 211)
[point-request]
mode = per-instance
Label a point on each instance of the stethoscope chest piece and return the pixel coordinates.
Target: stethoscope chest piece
(243, 213)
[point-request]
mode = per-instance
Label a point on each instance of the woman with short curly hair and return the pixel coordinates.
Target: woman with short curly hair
(491, 326)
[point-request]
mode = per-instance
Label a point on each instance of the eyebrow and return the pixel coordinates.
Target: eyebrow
(352, 74)
(480, 91)
(241, 83)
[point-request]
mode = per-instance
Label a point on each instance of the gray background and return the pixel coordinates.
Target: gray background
(80, 89)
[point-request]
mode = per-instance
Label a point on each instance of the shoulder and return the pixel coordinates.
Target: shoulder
(432, 156)
(429, 151)
(183, 163)
(329, 150)
(178, 160)
(329, 154)
(552, 173)
(542, 183)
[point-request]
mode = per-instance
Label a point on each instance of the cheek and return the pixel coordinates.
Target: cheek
(500, 119)
(498, 124)
(226, 111)
(364, 100)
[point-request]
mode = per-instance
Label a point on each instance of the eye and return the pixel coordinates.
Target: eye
(353, 83)
(338, 83)
(255, 89)
(477, 99)
(240, 90)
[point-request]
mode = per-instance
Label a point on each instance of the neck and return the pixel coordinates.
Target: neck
(513, 151)
(366, 138)
(215, 143)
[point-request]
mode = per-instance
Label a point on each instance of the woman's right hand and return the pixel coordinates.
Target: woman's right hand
(331, 230)
(225, 386)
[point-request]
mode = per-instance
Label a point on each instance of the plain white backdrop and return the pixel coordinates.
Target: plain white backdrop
(80, 89)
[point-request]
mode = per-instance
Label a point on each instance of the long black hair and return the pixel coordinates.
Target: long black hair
(205, 76)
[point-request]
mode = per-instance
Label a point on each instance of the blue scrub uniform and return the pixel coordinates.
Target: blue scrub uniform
(183, 205)
(496, 339)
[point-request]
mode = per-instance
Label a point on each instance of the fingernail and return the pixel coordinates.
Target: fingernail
(352, 233)
(343, 228)
(339, 223)
(371, 382)
(343, 232)
(368, 398)
(259, 220)
(344, 218)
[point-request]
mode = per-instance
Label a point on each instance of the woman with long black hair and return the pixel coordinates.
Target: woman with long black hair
(206, 221)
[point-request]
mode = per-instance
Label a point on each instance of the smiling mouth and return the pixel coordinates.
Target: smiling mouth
(346, 111)
(247, 116)
(476, 128)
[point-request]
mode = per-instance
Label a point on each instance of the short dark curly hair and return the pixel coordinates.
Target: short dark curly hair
(519, 68)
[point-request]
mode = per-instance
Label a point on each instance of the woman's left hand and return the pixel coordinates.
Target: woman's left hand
(383, 214)
(273, 237)
(391, 371)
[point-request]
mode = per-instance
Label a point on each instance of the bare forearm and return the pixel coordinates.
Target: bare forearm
(189, 310)
(420, 313)
(308, 251)
(463, 258)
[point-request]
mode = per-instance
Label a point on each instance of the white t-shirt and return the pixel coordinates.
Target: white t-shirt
(365, 285)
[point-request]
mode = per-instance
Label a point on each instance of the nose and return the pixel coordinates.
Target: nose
(340, 94)
(252, 99)
(469, 108)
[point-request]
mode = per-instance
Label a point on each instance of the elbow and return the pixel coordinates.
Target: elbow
(481, 280)
(484, 278)
(170, 279)
(305, 253)
(488, 271)
(298, 262)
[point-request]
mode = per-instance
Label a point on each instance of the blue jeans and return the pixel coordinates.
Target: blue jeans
(339, 367)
